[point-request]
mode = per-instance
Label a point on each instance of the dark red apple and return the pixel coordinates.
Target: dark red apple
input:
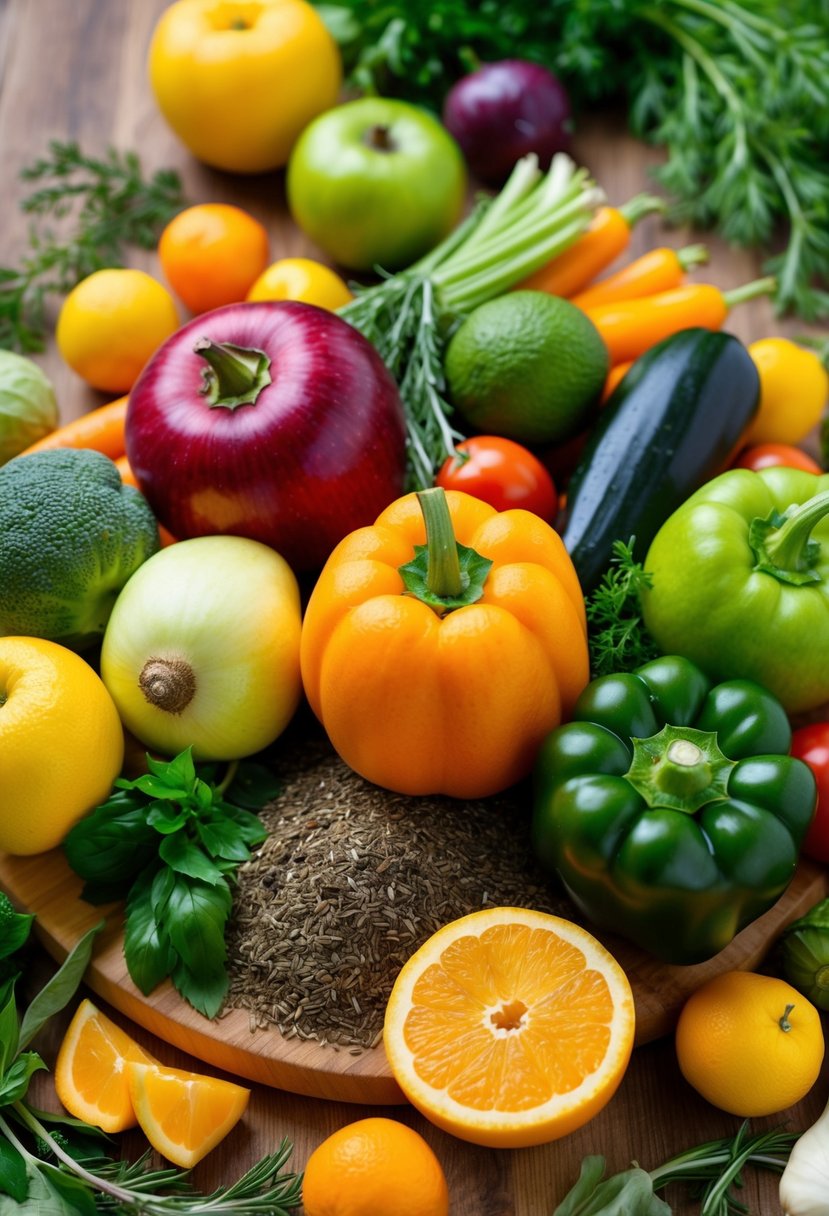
(505, 110)
(273, 420)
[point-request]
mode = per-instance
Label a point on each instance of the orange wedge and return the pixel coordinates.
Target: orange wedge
(184, 1114)
(510, 1027)
(91, 1070)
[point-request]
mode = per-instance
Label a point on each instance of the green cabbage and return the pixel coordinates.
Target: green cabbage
(28, 409)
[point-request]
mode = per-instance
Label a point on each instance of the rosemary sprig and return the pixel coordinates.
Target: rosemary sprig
(103, 205)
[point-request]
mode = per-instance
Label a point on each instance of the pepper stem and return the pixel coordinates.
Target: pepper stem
(235, 376)
(750, 291)
(443, 577)
(784, 1022)
(443, 574)
(786, 549)
(680, 767)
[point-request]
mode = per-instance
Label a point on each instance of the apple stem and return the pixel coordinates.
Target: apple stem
(235, 376)
(379, 138)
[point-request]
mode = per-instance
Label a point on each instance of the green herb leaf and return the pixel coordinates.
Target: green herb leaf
(626, 1194)
(14, 1178)
(195, 917)
(187, 858)
(157, 787)
(617, 638)
(253, 786)
(15, 1080)
(106, 204)
(229, 839)
(9, 1025)
(59, 990)
(148, 952)
(165, 818)
(14, 927)
(204, 990)
(111, 845)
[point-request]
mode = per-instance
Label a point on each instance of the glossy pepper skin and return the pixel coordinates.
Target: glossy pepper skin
(669, 808)
(452, 696)
(740, 582)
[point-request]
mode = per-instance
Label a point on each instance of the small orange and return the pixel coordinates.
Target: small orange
(111, 323)
(211, 254)
(91, 1070)
(510, 1027)
(61, 743)
(750, 1044)
(374, 1167)
(301, 279)
(184, 1114)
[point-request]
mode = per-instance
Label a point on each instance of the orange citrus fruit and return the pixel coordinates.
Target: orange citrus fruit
(750, 1044)
(111, 323)
(61, 742)
(510, 1027)
(91, 1070)
(301, 279)
(374, 1167)
(184, 1114)
(211, 254)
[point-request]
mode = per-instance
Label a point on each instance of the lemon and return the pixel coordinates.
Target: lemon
(527, 365)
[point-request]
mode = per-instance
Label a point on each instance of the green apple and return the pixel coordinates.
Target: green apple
(376, 182)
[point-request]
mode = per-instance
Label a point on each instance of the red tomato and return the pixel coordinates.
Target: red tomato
(773, 455)
(502, 473)
(811, 743)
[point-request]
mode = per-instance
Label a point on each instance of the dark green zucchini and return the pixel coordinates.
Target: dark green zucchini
(674, 422)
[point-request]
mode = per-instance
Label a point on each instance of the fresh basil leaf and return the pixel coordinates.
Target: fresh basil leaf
(111, 846)
(9, 1026)
(60, 989)
(14, 927)
(160, 888)
(195, 919)
(253, 786)
(15, 1080)
(14, 1178)
(52, 1192)
(156, 787)
(204, 990)
(147, 950)
(182, 770)
(99, 893)
(223, 838)
(250, 825)
(78, 1137)
(164, 818)
(185, 857)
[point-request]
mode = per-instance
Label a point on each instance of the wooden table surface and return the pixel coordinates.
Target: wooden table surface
(77, 71)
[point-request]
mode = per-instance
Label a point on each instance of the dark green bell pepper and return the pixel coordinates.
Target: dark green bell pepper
(740, 582)
(669, 807)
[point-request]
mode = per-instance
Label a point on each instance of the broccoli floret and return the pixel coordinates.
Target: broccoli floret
(71, 534)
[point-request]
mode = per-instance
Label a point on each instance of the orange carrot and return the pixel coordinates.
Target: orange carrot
(614, 376)
(657, 270)
(101, 429)
(129, 479)
(606, 238)
(631, 327)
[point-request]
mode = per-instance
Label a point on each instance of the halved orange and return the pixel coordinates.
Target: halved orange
(510, 1027)
(91, 1070)
(184, 1114)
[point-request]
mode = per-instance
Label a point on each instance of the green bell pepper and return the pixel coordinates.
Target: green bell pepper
(669, 808)
(740, 582)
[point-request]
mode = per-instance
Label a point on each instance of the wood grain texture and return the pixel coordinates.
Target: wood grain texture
(46, 886)
(76, 70)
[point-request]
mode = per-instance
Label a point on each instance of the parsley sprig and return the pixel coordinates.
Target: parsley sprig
(736, 91)
(102, 205)
(174, 842)
(616, 634)
(58, 1165)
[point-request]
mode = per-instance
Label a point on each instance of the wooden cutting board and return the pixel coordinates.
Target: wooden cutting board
(45, 885)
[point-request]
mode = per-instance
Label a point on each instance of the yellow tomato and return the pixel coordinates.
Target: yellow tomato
(238, 80)
(301, 279)
(111, 323)
(794, 386)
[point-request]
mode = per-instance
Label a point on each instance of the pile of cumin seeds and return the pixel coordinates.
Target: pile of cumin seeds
(351, 880)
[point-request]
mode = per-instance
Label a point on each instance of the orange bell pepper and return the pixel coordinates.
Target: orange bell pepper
(441, 671)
